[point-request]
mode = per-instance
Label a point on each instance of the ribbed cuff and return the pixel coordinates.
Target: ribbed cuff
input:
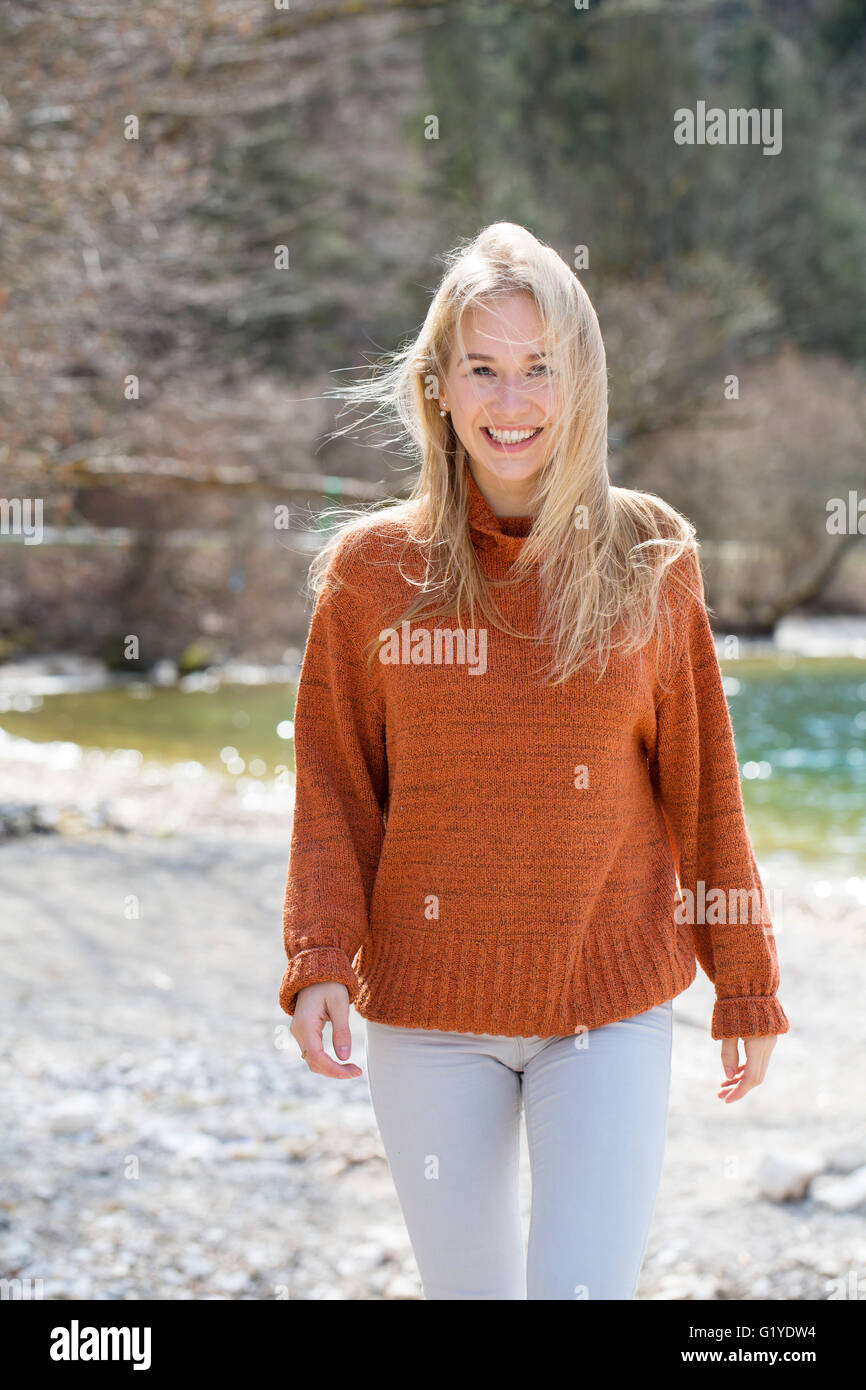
(316, 967)
(748, 1016)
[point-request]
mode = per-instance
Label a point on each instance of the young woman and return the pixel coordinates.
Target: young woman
(511, 741)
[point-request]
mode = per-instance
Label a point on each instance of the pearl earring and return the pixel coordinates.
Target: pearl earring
(442, 412)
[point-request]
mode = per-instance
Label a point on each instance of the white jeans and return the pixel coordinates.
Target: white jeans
(448, 1109)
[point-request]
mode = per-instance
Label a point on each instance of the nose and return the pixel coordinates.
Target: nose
(511, 395)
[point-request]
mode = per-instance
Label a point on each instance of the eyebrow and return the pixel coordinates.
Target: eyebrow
(485, 357)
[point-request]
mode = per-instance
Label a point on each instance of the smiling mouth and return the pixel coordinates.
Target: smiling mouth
(511, 439)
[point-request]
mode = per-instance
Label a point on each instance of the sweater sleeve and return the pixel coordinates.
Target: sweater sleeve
(341, 788)
(697, 781)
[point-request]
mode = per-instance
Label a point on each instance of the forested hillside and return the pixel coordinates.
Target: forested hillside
(162, 365)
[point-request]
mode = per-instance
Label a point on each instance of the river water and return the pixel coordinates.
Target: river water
(799, 722)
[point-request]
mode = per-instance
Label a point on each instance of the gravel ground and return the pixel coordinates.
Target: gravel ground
(164, 1140)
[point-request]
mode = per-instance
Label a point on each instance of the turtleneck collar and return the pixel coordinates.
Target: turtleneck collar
(504, 534)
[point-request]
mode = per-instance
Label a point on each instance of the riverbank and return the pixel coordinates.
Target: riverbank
(797, 634)
(62, 787)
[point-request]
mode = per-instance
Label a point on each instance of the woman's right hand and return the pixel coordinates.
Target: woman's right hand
(315, 1006)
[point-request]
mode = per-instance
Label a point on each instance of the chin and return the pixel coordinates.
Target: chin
(509, 469)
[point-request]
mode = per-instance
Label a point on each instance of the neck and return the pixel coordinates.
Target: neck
(506, 497)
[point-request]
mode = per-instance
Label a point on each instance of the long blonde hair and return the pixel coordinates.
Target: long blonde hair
(601, 551)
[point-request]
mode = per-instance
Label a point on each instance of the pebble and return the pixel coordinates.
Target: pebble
(841, 1194)
(230, 1280)
(846, 1155)
(786, 1177)
(75, 1113)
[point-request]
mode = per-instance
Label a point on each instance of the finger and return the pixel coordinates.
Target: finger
(758, 1052)
(730, 1055)
(737, 1094)
(726, 1086)
(341, 1034)
(309, 1039)
(317, 1060)
(733, 1077)
(741, 1085)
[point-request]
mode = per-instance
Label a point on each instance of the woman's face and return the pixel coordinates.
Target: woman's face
(499, 390)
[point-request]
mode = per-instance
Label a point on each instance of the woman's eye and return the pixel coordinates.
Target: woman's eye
(540, 368)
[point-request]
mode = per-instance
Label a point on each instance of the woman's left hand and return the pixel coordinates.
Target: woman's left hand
(742, 1076)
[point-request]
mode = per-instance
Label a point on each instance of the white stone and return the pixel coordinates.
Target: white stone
(841, 1194)
(846, 1155)
(786, 1177)
(75, 1112)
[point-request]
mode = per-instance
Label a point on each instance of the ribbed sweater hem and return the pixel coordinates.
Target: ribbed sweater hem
(479, 988)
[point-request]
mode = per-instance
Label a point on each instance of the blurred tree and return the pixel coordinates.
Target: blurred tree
(151, 340)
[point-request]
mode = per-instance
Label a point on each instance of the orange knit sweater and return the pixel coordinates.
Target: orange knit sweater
(474, 851)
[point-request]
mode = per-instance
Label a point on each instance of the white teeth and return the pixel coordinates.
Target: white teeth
(511, 436)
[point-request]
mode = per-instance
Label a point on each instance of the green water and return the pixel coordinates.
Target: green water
(169, 725)
(806, 718)
(798, 721)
